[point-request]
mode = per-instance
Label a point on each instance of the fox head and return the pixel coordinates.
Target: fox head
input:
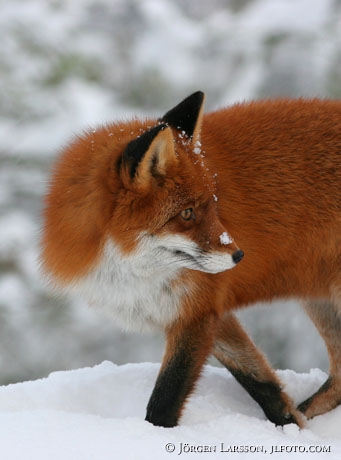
(143, 187)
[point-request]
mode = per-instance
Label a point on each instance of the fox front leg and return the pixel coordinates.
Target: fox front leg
(236, 351)
(186, 352)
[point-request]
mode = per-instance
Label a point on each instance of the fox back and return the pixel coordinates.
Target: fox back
(146, 219)
(279, 195)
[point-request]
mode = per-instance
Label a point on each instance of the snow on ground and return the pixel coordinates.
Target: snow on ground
(98, 413)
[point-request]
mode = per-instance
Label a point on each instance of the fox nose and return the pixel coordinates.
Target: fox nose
(237, 256)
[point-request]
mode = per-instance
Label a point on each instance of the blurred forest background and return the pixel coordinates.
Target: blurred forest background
(66, 65)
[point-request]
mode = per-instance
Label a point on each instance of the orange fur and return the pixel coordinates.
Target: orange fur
(279, 195)
(268, 173)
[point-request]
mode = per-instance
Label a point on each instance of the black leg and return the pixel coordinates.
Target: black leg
(186, 352)
(236, 351)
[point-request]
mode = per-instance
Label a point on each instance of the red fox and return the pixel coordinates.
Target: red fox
(173, 223)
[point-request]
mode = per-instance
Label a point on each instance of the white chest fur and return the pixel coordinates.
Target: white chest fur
(138, 296)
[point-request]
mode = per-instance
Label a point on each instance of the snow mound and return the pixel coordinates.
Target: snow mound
(98, 413)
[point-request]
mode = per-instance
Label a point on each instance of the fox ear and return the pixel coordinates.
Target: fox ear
(148, 157)
(187, 116)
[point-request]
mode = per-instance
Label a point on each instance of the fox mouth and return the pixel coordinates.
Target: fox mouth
(175, 252)
(202, 261)
(188, 257)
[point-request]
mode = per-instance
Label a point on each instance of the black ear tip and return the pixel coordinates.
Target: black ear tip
(199, 94)
(195, 98)
(184, 116)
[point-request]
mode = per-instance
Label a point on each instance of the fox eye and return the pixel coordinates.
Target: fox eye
(187, 214)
